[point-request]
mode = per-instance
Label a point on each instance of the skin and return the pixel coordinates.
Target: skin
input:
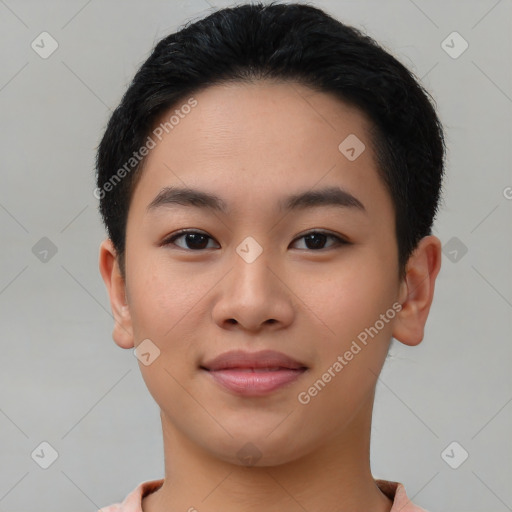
(252, 144)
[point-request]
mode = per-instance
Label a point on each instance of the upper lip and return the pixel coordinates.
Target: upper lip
(243, 359)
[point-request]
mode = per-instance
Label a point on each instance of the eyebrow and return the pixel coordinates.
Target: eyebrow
(185, 196)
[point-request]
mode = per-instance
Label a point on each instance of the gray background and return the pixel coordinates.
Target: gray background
(64, 381)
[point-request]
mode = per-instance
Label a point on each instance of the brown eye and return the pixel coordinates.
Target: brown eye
(197, 241)
(315, 240)
(193, 240)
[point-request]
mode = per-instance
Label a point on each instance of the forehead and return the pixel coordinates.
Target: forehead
(256, 140)
(235, 117)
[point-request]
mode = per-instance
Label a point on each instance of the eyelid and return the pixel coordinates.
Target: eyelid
(340, 239)
(325, 232)
(170, 239)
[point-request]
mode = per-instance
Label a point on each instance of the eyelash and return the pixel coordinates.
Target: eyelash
(339, 240)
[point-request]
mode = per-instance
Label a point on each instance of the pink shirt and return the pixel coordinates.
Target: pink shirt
(133, 502)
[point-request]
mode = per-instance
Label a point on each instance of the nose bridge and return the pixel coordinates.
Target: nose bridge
(252, 294)
(251, 266)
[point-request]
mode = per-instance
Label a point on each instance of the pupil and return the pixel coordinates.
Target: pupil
(317, 242)
(195, 237)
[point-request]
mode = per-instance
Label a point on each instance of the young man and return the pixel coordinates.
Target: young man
(269, 183)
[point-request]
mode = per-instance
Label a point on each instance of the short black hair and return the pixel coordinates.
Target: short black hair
(283, 42)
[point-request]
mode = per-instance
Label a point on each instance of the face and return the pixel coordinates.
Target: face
(296, 253)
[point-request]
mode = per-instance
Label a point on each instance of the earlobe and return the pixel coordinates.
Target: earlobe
(417, 291)
(111, 274)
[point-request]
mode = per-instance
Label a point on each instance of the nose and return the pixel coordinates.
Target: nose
(254, 295)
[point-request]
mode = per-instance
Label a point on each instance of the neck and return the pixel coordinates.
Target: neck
(333, 476)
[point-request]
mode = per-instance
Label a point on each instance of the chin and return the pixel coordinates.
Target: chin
(258, 451)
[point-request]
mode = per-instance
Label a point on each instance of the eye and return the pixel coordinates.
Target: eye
(315, 239)
(196, 240)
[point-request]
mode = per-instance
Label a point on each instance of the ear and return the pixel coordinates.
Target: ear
(417, 291)
(109, 268)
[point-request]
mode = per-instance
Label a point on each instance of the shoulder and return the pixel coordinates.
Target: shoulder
(396, 492)
(133, 501)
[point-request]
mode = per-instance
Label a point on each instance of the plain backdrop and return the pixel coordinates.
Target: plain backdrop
(64, 382)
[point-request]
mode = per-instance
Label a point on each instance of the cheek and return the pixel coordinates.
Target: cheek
(344, 303)
(162, 295)
(163, 303)
(348, 305)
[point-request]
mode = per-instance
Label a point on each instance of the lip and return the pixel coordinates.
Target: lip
(241, 359)
(253, 373)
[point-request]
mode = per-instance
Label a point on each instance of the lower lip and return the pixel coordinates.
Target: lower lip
(255, 383)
